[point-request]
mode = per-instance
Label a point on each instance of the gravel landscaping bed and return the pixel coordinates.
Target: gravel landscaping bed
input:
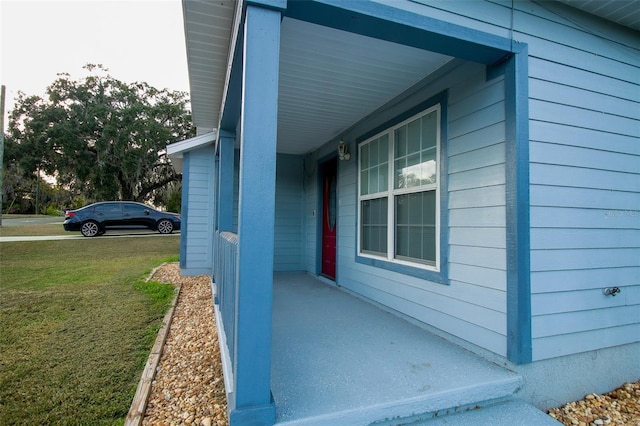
(189, 388)
(618, 407)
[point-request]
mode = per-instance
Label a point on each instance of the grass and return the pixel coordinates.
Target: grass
(77, 322)
(34, 229)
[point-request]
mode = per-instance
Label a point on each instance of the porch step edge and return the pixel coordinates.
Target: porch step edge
(423, 406)
(512, 412)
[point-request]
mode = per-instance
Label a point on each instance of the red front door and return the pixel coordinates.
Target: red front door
(329, 220)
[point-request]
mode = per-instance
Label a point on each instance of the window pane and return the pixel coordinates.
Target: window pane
(414, 138)
(383, 163)
(429, 208)
(402, 239)
(383, 177)
(415, 209)
(373, 153)
(428, 167)
(365, 237)
(415, 242)
(399, 166)
(374, 226)
(384, 149)
(400, 141)
(415, 226)
(364, 157)
(402, 210)
(364, 182)
(429, 130)
(429, 243)
(375, 239)
(373, 180)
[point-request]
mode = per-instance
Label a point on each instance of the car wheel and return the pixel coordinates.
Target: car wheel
(165, 226)
(90, 229)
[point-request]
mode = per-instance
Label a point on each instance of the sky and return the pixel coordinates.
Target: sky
(136, 40)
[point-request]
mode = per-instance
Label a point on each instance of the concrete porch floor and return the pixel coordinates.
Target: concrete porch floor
(338, 360)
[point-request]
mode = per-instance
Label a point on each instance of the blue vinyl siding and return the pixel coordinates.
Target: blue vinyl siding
(585, 180)
(289, 235)
(199, 226)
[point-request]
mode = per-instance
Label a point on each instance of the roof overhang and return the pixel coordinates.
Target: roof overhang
(176, 150)
(208, 27)
(328, 78)
(622, 12)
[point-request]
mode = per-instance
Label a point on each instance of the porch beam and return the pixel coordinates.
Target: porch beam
(384, 22)
(252, 402)
(225, 183)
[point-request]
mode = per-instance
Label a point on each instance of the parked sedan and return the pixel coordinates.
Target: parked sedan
(95, 219)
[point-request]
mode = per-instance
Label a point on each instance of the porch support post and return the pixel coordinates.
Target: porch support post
(225, 182)
(519, 334)
(253, 403)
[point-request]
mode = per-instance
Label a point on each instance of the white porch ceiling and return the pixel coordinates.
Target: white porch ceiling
(330, 79)
(623, 12)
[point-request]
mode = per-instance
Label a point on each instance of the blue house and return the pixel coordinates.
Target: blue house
(413, 209)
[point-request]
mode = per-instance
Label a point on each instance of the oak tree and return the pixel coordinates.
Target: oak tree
(99, 137)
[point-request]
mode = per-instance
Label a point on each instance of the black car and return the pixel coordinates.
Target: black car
(95, 219)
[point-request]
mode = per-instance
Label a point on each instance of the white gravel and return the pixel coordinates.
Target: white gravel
(188, 387)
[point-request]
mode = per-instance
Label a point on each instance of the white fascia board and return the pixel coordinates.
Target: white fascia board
(176, 149)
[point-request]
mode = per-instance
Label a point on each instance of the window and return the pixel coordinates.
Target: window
(135, 209)
(398, 192)
(108, 208)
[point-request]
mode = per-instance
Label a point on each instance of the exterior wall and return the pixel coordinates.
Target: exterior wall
(311, 213)
(472, 305)
(289, 238)
(584, 88)
(553, 382)
(289, 235)
(197, 251)
(585, 183)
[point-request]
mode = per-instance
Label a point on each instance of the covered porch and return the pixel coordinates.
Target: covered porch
(338, 359)
(302, 79)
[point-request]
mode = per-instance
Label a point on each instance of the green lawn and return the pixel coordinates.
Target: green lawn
(76, 326)
(33, 229)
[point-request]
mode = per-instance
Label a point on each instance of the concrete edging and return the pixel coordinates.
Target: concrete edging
(141, 398)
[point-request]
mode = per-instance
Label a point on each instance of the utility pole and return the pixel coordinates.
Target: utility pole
(2, 90)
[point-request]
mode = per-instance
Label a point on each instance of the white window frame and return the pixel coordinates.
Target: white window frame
(391, 192)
